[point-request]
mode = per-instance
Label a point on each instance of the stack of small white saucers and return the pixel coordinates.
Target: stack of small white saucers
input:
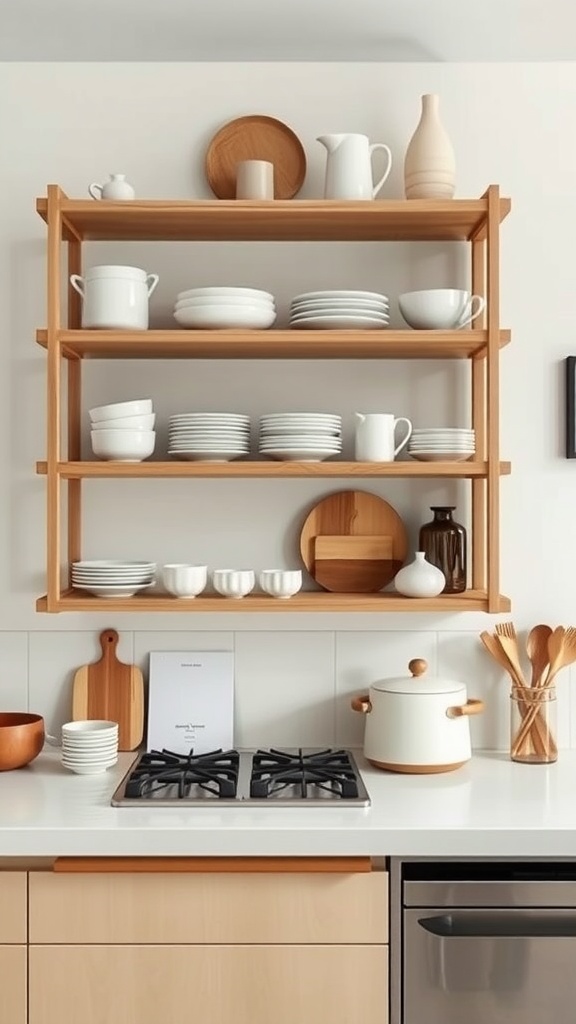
(209, 436)
(340, 310)
(105, 578)
(89, 747)
(221, 308)
(300, 436)
(442, 444)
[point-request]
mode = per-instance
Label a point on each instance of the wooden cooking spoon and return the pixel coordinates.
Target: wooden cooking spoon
(537, 651)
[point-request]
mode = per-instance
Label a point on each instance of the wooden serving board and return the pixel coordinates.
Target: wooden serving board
(353, 542)
(111, 690)
(256, 137)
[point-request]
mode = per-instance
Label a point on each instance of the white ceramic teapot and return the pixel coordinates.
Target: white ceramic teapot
(116, 188)
(349, 166)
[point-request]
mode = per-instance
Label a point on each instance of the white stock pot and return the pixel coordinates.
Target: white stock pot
(115, 297)
(417, 724)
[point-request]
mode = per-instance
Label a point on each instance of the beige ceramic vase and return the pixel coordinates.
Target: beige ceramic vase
(429, 167)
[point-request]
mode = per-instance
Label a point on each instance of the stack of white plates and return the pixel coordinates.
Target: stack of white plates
(112, 578)
(440, 444)
(340, 310)
(209, 436)
(89, 747)
(300, 436)
(219, 308)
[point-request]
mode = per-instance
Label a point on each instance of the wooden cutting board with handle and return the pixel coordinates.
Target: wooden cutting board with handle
(111, 690)
(353, 542)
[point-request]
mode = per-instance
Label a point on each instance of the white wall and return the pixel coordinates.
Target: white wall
(510, 124)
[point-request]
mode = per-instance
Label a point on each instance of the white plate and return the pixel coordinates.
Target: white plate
(216, 438)
(299, 454)
(112, 564)
(219, 301)
(115, 590)
(298, 417)
(90, 769)
(443, 430)
(442, 447)
(337, 323)
(339, 293)
(224, 290)
(338, 306)
(191, 456)
(297, 317)
(297, 440)
(221, 319)
(239, 417)
(444, 457)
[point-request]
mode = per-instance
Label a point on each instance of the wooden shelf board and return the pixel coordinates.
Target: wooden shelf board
(273, 344)
(275, 220)
(265, 469)
(312, 601)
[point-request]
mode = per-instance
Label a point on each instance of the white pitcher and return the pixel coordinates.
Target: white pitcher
(349, 167)
(375, 436)
(116, 188)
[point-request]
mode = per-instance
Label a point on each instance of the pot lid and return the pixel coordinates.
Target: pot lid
(418, 682)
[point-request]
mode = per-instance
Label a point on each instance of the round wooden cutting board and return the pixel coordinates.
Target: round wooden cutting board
(353, 542)
(256, 137)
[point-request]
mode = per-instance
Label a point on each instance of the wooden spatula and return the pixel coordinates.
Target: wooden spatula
(352, 564)
(111, 690)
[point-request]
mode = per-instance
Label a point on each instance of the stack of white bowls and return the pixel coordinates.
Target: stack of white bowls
(340, 310)
(209, 436)
(89, 747)
(124, 431)
(441, 444)
(217, 308)
(300, 436)
(112, 578)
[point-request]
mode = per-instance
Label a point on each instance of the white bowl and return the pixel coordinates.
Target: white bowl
(215, 318)
(127, 423)
(233, 582)
(434, 309)
(90, 726)
(139, 407)
(218, 290)
(214, 301)
(123, 445)
(184, 580)
(89, 769)
(104, 590)
(282, 583)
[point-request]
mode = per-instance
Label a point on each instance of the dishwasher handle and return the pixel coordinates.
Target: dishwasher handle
(502, 924)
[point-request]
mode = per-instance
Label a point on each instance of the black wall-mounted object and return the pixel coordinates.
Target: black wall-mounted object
(571, 407)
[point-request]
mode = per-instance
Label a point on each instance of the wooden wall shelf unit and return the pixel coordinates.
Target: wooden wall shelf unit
(73, 222)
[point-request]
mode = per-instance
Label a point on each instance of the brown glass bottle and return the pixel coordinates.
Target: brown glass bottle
(444, 543)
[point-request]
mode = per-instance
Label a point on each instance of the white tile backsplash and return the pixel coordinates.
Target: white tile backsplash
(361, 659)
(14, 671)
(292, 688)
(284, 689)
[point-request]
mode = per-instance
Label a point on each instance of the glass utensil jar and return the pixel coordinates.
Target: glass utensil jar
(533, 725)
(444, 543)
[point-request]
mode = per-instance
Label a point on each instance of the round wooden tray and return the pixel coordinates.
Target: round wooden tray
(255, 137)
(353, 542)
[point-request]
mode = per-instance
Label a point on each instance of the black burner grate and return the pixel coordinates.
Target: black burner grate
(160, 771)
(329, 771)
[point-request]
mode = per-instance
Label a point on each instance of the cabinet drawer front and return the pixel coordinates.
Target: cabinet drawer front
(210, 908)
(211, 984)
(13, 979)
(12, 906)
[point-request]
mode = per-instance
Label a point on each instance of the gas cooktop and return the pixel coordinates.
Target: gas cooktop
(234, 778)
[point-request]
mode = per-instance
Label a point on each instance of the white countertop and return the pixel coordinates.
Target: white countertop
(490, 807)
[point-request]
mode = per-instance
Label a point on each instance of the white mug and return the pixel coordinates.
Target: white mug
(375, 440)
(254, 179)
(115, 297)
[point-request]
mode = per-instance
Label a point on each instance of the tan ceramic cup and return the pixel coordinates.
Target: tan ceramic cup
(254, 179)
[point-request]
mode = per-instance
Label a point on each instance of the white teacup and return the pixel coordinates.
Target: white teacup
(440, 309)
(281, 583)
(184, 580)
(233, 582)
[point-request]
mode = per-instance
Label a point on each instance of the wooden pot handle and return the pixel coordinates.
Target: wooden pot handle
(471, 707)
(362, 704)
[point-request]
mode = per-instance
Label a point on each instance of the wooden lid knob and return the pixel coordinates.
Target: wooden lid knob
(418, 666)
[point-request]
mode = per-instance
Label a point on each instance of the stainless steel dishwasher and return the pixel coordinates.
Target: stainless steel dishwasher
(489, 943)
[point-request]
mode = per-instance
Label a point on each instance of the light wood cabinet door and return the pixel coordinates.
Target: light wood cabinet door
(208, 908)
(208, 984)
(13, 984)
(12, 906)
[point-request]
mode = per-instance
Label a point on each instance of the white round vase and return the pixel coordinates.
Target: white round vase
(429, 165)
(420, 578)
